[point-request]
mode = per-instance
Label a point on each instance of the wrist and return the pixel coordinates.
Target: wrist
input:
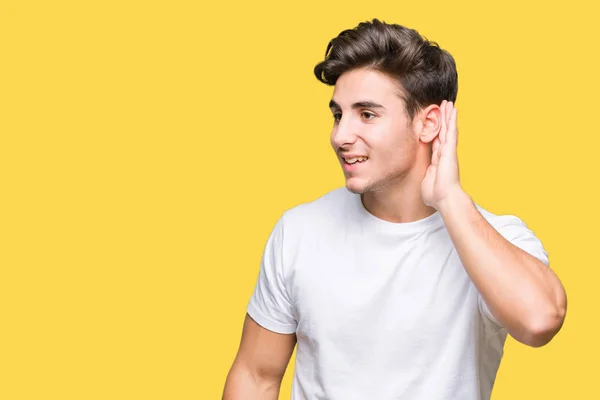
(454, 202)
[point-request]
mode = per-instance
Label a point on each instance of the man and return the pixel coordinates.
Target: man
(396, 286)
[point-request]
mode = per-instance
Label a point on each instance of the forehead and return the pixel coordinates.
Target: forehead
(365, 84)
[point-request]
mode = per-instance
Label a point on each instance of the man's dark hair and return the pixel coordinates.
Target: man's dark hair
(426, 73)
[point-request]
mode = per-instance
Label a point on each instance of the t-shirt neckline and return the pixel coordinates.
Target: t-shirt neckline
(379, 224)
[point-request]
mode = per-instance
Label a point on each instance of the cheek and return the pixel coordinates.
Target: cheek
(394, 160)
(398, 149)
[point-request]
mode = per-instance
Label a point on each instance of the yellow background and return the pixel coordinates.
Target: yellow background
(147, 149)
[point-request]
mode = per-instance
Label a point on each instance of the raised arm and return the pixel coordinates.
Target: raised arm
(520, 291)
(260, 363)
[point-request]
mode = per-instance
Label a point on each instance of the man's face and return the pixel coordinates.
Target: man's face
(372, 135)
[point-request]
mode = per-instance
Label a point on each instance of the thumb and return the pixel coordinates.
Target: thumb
(430, 172)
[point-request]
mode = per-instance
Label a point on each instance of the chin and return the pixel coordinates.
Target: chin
(357, 186)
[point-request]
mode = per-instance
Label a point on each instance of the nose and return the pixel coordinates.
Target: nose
(344, 134)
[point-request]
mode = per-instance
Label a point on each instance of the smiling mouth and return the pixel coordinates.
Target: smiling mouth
(355, 160)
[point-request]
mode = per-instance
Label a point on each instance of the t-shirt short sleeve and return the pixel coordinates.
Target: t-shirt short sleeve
(516, 232)
(270, 304)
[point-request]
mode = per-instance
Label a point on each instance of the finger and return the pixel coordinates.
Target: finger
(435, 154)
(449, 108)
(442, 134)
(453, 131)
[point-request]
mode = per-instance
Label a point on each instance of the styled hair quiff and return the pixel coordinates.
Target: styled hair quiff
(425, 72)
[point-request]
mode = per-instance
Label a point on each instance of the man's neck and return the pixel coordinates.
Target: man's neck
(399, 202)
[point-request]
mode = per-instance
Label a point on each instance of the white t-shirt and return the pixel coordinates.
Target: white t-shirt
(381, 310)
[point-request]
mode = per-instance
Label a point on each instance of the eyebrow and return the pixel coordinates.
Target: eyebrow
(359, 104)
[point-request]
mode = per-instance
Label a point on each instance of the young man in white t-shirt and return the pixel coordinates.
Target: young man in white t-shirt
(396, 286)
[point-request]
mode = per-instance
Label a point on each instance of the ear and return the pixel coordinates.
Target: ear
(428, 123)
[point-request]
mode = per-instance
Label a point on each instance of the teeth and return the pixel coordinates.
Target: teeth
(355, 159)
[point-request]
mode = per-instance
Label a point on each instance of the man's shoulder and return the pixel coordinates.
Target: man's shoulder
(511, 226)
(516, 231)
(327, 206)
(499, 220)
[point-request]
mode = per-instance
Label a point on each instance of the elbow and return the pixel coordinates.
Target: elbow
(541, 329)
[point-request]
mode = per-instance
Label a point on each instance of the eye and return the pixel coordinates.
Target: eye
(367, 115)
(337, 117)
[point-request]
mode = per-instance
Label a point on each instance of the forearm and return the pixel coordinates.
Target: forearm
(241, 384)
(522, 293)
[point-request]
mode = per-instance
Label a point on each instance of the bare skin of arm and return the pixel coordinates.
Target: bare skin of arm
(260, 363)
